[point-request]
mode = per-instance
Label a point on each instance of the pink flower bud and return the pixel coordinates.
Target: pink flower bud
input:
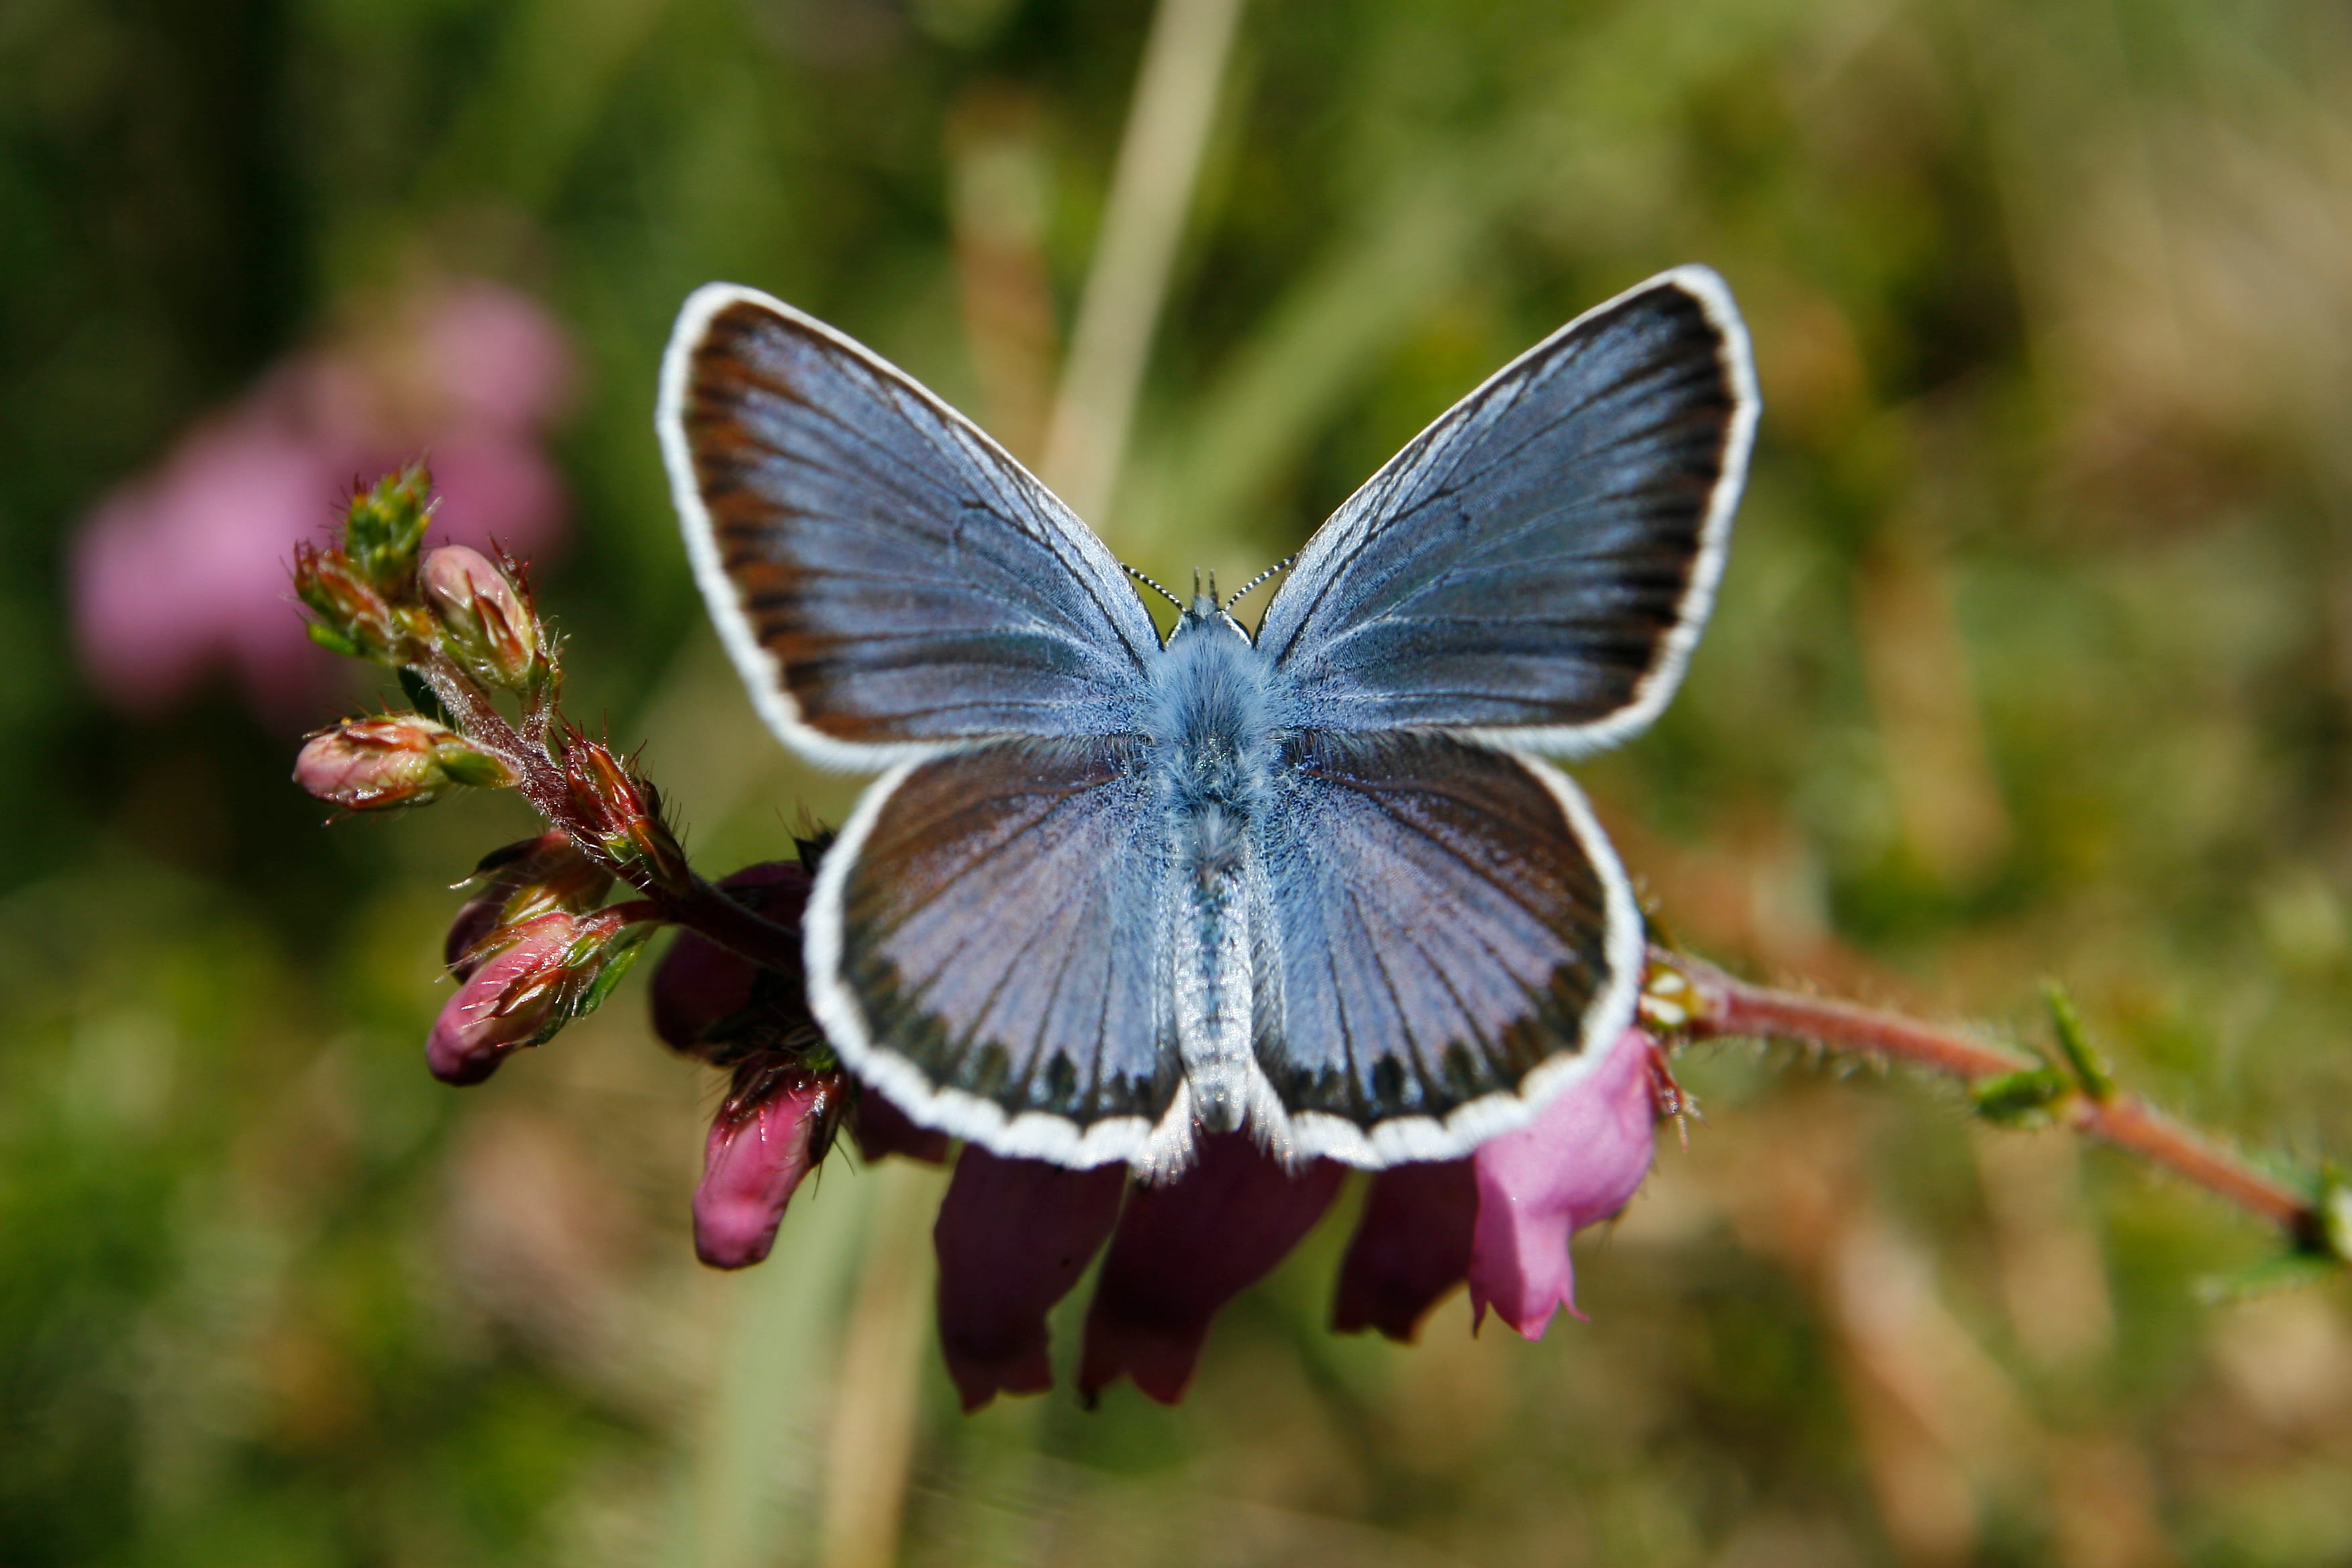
(529, 981)
(352, 617)
(487, 625)
(623, 809)
(505, 1003)
(765, 1140)
(523, 880)
(1576, 1164)
(404, 759)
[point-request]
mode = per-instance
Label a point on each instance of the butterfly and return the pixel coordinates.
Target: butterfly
(1110, 893)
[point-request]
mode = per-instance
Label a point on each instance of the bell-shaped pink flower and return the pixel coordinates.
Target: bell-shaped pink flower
(1412, 1246)
(1184, 1249)
(1012, 1236)
(753, 1161)
(883, 1130)
(1578, 1164)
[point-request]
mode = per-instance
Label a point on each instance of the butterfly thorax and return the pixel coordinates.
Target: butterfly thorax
(1212, 750)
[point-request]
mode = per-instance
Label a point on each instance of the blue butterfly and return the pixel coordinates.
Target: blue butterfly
(1110, 893)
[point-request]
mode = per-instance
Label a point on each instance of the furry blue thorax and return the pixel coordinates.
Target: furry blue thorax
(1212, 755)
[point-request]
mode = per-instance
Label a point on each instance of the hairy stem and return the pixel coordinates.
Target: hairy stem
(540, 780)
(1711, 1004)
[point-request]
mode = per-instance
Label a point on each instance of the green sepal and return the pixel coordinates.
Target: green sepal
(476, 770)
(620, 952)
(333, 641)
(2020, 1098)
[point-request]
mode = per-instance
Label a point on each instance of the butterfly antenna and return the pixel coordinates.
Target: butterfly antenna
(1151, 585)
(1243, 591)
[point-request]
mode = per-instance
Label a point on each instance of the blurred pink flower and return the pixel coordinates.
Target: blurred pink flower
(183, 570)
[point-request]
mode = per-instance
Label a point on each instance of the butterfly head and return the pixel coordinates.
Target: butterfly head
(1205, 610)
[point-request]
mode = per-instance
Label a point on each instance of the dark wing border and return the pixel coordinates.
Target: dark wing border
(1405, 1139)
(1029, 1135)
(1355, 524)
(760, 671)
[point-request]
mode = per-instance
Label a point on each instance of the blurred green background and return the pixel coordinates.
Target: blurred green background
(2035, 659)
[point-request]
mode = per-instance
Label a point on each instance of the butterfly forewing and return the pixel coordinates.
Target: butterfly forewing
(889, 580)
(1453, 939)
(1536, 564)
(987, 944)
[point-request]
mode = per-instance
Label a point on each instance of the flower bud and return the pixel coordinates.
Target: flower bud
(487, 625)
(403, 759)
(772, 1130)
(383, 526)
(523, 880)
(624, 811)
(353, 618)
(530, 980)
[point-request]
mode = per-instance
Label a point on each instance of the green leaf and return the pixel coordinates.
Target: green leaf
(2020, 1098)
(2097, 1078)
(2287, 1271)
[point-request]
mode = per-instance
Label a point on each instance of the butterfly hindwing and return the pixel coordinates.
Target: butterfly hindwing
(988, 944)
(889, 581)
(1535, 564)
(1453, 940)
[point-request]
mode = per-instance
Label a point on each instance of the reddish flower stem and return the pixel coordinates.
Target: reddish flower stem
(541, 781)
(1720, 1005)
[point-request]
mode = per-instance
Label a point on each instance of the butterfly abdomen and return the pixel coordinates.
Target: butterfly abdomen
(1212, 753)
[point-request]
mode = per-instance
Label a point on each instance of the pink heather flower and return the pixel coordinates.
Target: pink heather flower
(505, 1003)
(1184, 1249)
(883, 1130)
(183, 570)
(758, 1150)
(1578, 1164)
(1410, 1248)
(1013, 1237)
